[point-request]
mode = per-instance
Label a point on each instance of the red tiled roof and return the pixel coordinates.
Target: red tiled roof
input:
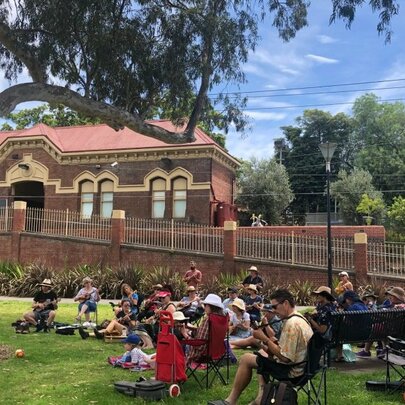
(87, 138)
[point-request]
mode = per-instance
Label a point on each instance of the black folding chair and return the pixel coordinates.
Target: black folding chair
(315, 364)
(395, 359)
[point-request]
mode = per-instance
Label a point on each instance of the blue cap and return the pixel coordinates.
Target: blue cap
(350, 294)
(132, 339)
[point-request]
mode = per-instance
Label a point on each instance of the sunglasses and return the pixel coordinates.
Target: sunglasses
(274, 306)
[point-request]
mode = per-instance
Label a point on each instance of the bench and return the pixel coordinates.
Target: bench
(367, 326)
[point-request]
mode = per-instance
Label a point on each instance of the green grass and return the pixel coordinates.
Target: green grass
(61, 369)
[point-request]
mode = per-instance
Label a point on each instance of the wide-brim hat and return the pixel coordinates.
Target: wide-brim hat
(238, 303)
(325, 292)
(367, 294)
(46, 283)
(179, 316)
(191, 288)
(397, 292)
(252, 287)
(157, 286)
(253, 268)
(214, 300)
(163, 294)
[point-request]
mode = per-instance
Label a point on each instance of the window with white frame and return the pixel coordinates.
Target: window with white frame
(106, 198)
(158, 198)
(179, 197)
(87, 197)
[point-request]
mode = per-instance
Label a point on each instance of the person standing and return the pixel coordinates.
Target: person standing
(253, 278)
(344, 283)
(43, 308)
(193, 277)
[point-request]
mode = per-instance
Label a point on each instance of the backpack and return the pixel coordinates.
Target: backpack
(279, 393)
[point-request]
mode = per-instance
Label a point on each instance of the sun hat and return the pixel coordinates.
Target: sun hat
(191, 288)
(87, 280)
(397, 292)
(325, 292)
(46, 283)
(179, 316)
(368, 294)
(253, 268)
(344, 273)
(214, 300)
(163, 294)
(238, 303)
(157, 286)
(252, 287)
(132, 339)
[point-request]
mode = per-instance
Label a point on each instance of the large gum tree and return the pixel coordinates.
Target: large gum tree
(119, 60)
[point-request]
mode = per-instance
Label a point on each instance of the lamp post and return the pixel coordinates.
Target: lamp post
(328, 150)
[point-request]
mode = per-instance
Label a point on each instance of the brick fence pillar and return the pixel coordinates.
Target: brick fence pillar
(117, 236)
(19, 215)
(360, 259)
(229, 246)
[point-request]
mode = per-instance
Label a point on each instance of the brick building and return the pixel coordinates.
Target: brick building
(94, 169)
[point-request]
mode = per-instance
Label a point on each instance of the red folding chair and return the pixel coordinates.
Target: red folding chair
(215, 352)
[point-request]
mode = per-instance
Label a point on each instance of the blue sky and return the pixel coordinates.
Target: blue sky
(320, 55)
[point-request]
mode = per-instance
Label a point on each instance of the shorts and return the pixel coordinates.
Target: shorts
(44, 314)
(268, 367)
(91, 306)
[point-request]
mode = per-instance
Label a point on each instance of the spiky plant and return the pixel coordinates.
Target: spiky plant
(301, 290)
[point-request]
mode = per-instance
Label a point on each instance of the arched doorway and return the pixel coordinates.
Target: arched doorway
(32, 192)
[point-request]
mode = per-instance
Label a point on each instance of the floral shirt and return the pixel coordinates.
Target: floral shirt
(323, 313)
(295, 335)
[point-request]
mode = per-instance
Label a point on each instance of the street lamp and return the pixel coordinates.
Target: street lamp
(328, 150)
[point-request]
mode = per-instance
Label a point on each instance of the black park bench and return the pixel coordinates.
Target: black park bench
(367, 326)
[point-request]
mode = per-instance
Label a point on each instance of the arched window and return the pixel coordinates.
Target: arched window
(106, 198)
(158, 198)
(87, 196)
(179, 197)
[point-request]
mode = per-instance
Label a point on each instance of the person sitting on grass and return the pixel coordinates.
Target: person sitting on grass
(88, 297)
(276, 359)
(149, 305)
(270, 323)
(128, 294)
(253, 303)
(43, 308)
(134, 357)
(190, 304)
(239, 321)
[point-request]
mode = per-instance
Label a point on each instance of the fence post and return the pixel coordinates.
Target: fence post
(117, 236)
(19, 218)
(230, 230)
(360, 259)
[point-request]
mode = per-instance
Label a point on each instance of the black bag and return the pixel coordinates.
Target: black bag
(149, 390)
(65, 330)
(279, 393)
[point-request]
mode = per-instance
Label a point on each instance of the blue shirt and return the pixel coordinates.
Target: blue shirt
(357, 306)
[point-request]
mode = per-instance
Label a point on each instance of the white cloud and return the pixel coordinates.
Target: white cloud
(326, 39)
(321, 59)
(265, 116)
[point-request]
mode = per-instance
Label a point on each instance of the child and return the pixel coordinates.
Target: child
(133, 357)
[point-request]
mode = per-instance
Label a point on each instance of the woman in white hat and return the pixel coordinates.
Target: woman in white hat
(344, 283)
(212, 305)
(239, 322)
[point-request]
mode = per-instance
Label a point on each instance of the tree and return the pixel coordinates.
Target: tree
(348, 190)
(396, 213)
(379, 139)
(371, 208)
(303, 160)
(116, 60)
(59, 116)
(264, 189)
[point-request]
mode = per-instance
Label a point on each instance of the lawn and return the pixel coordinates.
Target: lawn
(61, 369)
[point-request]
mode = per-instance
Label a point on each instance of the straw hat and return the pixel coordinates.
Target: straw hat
(325, 292)
(214, 300)
(191, 288)
(252, 287)
(238, 303)
(157, 286)
(397, 292)
(46, 283)
(253, 268)
(179, 316)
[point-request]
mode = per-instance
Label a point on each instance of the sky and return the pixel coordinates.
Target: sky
(320, 55)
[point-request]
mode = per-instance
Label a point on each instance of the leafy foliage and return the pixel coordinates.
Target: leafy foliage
(370, 206)
(264, 188)
(396, 213)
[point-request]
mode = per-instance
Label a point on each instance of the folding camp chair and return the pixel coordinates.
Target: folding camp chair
(316, 363)
(395, 358)
(215, 353)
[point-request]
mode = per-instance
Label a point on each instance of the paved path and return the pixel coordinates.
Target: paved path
(367, 365)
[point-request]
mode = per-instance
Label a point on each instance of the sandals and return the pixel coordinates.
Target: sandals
(339, 360)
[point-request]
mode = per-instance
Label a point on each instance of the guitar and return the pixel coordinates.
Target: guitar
(47, 304)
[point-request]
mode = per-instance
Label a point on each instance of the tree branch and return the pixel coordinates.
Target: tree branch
(112, 116)
(23, 53)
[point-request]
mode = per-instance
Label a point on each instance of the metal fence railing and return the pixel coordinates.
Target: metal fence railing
(294, 249)
(386, 259)
(6, 219)
(67, 223)
(174, 235)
